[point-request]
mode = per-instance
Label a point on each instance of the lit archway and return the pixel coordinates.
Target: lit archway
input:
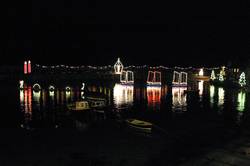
(36, 86)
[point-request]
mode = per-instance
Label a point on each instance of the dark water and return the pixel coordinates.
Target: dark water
(162, 105)
(193, 121)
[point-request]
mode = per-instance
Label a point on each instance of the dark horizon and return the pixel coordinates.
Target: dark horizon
(96, 33)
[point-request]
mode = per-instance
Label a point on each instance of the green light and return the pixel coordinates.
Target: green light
(241, 101)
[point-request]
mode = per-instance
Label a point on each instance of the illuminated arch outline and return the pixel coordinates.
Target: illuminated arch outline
(51, 88)
(35, 86)
(67, 88)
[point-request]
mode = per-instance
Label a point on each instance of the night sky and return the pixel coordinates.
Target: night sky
(143, 32)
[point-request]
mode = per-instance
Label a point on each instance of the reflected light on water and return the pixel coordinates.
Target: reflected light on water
(241, 101)
(211, 93)
(68, 96)
(82, 95)
(37, 96)
(179, 98)
(221, 96)
(51, 93)
(123, 95)
(21, 97)
(26, 103)
(37, 99)
(200, 87)
(154, 97)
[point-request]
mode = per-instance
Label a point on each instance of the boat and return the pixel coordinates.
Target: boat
(79, 106)
(95, 102)
(139, 125)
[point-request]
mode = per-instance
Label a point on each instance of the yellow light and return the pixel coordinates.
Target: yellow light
(68, 95)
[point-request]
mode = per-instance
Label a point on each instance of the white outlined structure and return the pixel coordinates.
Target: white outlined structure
(118, 66)
(180, 78)
(154, 78)
(127, 77)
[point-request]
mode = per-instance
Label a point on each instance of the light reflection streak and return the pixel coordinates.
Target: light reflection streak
(123, 95)
(154, 97)
(179, 98)
(221, 96)
(37, 98)
(211, 93)
(52, 94)
(201, 87)
(26, 105)
(68, 96)
(82, 95)
(241, 101)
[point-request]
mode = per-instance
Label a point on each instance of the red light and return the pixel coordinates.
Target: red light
(25, 67)
(29, 66)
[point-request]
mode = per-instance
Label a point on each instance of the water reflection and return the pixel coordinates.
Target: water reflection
(201, 87)
(179, 99)
(123, 95)
(21, 93)
(52, 94)
(221, 97)
(37, 99)
(241, 101)
(212, 94)
(82, 95)
(240, 106)
(26, 105)
(68, 96)
(154, 97)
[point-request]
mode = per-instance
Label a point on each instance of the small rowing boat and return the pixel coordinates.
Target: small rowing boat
(139, 125)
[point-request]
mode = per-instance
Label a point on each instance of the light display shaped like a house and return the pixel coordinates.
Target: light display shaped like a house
(154, 78)
(179, 78)
(118, 66)
(127, 77)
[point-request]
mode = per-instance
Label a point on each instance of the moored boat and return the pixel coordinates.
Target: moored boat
(96, 103)
(79, 106)
(139, 125)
